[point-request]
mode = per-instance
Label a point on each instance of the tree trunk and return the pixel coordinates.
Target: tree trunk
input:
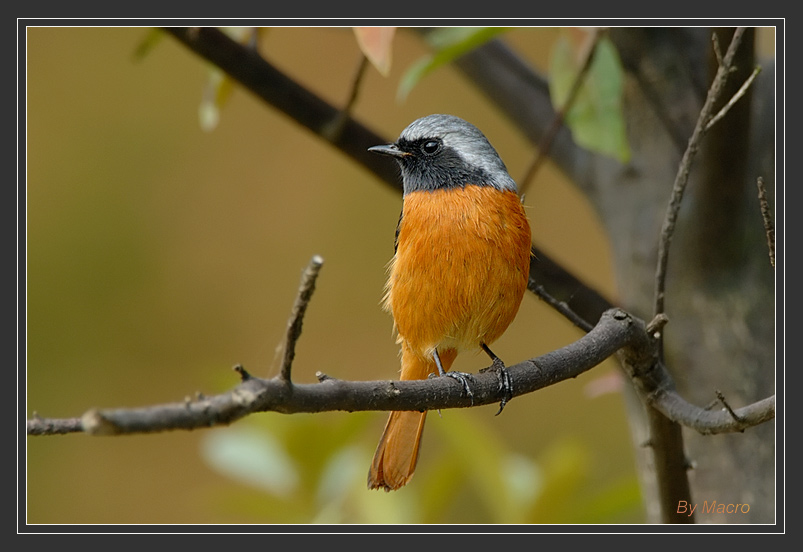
(719, 299)
(720, 284)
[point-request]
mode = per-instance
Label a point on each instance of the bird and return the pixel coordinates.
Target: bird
(459, 271)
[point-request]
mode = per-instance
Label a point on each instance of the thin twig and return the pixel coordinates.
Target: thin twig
(332, 132)
(546, 143)
(562, 308)
(766, 216)
(733, 414)
(739, 93)
(657, 324)
(682, 177)
(568, 295)
(244, 375)
(53, 426)
(305, 291)
(717, 49)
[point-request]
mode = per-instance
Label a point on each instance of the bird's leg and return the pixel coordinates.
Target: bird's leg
(462, 377)
(505, 385)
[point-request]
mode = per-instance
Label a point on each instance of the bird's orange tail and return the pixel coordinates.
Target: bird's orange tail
(397, 453)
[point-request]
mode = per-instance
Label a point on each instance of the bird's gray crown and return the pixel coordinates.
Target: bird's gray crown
(468, 158)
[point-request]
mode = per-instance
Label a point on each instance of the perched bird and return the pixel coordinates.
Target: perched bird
(459, 272)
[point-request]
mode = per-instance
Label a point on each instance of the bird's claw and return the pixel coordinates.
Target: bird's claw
(505, 384)
(463, 378)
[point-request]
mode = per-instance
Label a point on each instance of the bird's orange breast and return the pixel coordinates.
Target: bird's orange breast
(460, 269)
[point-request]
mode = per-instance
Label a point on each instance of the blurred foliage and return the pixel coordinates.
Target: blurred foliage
(595, 117)
(314, 471)
(447, 44)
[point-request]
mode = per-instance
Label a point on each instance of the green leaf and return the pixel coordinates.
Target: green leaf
(217, 91)
(148, 42)
(255, 458)
(449, 43)
(596, 118)
(219, 85)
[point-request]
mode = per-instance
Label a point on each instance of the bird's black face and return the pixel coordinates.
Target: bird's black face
(431, 165)
(443, 151)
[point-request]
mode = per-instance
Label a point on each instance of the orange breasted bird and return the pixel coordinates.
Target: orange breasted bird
(459, 272)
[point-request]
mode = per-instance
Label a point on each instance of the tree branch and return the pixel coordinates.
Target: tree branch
(261, 395)
(255, 74)
(53, 426)
(616, 330)
(657, 389)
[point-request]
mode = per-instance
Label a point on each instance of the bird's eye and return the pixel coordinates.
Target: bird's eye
(431, 147)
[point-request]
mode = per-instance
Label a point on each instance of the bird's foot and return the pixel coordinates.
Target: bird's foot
(461, 377)
(505, 383)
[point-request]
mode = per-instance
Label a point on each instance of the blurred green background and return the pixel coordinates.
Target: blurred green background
(159, 255)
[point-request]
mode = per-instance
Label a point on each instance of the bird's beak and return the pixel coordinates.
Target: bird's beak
(389, 149)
